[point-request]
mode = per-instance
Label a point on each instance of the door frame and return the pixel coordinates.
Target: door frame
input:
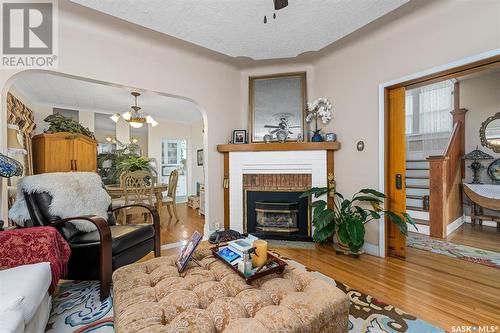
(460, 67)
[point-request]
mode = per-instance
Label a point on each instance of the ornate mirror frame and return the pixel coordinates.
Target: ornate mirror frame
(482, 133)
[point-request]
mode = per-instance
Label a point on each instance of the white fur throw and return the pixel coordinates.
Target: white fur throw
(73, 194)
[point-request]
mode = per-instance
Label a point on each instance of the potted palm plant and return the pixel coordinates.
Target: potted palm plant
(348, 217)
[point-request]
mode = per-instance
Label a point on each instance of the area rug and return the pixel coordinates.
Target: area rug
(463, 252)
(77, 308)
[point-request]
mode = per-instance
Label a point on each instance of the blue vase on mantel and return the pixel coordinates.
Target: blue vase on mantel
(317, 138)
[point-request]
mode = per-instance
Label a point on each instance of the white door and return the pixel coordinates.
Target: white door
(174, 156)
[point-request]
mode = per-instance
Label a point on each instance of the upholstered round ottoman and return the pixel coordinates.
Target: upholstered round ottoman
(153, 297)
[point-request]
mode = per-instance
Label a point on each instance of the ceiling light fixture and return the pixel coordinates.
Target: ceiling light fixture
(278, 4)
(136, 118)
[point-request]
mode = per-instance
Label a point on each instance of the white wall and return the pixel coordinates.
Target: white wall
(98, 46)
(480, 95)
(195, 143)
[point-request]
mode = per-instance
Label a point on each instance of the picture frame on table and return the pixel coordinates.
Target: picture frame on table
(199, 157)
(330, 137)
(239, 137)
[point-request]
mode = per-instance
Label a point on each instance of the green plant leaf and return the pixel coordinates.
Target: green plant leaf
(372, 192)
(397, 220)
(374, 214)
(409, 220)
(319, 204)
(342, 233)
(356, 232)
(315, 191)
(368, 198)
(325, 234)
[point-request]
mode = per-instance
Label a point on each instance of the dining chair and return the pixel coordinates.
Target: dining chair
(137, 189)
(169, 200)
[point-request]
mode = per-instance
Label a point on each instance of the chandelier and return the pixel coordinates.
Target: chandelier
(136, 118)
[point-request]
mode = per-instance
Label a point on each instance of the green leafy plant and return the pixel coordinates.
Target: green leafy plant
(59, 123)
(134, 163)
(349, 216)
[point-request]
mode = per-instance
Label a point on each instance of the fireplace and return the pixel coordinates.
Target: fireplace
(277, 215)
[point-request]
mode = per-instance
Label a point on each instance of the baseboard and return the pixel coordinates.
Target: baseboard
(421, 229)
(454, 225)
(487, 223)
(371, 249)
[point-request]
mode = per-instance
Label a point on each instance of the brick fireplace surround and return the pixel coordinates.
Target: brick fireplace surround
(273, 167)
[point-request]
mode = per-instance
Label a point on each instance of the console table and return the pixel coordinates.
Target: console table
(483, 196)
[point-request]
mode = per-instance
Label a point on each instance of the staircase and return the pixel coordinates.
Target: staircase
(417, 190)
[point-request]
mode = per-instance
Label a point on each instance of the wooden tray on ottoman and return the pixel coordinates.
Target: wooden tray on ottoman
(277, 269)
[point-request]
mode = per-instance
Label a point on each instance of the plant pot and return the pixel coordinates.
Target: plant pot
(341, 248)
(317, 138)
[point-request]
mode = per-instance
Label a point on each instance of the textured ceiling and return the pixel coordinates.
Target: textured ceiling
(67, 93)
(236, 27)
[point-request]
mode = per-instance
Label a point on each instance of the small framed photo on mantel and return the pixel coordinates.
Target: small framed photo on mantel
(239, 137)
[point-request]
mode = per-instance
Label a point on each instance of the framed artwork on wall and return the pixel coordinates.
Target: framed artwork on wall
(277, 105)
(199, 157)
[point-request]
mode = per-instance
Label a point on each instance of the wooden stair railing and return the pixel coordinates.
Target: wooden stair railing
(445, 177)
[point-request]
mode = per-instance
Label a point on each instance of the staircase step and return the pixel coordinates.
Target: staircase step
(422, 187)
(416, 161)
(422, 222)
(417, 168)
(419, 209)
(417, 197)
(417, 177)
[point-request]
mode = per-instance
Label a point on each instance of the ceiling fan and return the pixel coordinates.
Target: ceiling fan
(278, 4)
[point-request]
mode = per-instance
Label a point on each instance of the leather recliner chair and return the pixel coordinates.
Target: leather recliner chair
(96, 254)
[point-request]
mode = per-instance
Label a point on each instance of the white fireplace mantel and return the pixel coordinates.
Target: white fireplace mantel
(313, 162)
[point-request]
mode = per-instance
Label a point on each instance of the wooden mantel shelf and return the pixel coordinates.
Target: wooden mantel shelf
(227, 148)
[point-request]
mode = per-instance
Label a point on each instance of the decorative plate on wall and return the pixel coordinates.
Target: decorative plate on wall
(494, 170)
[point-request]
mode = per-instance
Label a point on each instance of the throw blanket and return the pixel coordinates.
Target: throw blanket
(73, 194)
(33, 245)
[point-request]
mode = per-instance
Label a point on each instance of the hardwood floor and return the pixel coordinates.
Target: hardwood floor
(443, 291)
(173, 231)
(482, 237)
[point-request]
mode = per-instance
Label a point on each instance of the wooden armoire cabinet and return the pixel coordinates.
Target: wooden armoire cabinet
(61, 152)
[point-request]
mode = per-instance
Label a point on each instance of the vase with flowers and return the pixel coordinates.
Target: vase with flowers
(319, 109)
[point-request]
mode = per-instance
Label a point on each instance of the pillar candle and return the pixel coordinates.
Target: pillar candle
(260, 256)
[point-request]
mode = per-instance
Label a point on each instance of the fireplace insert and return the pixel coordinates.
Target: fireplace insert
(277, 215)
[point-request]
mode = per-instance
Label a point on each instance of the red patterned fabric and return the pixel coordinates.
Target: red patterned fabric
(33, 245)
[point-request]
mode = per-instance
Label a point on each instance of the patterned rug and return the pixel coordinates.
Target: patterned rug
(77, 308)
(464, 252)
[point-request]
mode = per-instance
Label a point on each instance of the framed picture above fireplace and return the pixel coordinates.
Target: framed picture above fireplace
(277, 104)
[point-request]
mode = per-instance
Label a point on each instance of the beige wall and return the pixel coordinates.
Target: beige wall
(421, 35)
(195, 143)
(480, 95)
(350, 74)
(97, 46)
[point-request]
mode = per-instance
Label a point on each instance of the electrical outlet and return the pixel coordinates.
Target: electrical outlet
(217, 225)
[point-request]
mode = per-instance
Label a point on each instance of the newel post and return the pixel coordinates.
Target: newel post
(438, 179)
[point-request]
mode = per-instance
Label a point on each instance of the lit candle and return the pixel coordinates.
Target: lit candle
(260, 256)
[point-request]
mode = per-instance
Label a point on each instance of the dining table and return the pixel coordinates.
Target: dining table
(116, 191)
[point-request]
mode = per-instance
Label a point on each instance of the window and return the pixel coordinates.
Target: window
(428, 109)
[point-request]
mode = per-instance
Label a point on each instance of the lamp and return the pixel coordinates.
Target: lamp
(476, 166)
(9, 167)
(136, 118)
(14, 140)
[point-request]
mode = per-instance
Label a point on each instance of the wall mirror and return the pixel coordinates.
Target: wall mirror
(490, 133)
(276, 107)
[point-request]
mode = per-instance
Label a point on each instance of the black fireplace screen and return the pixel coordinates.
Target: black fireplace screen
(279, 215)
